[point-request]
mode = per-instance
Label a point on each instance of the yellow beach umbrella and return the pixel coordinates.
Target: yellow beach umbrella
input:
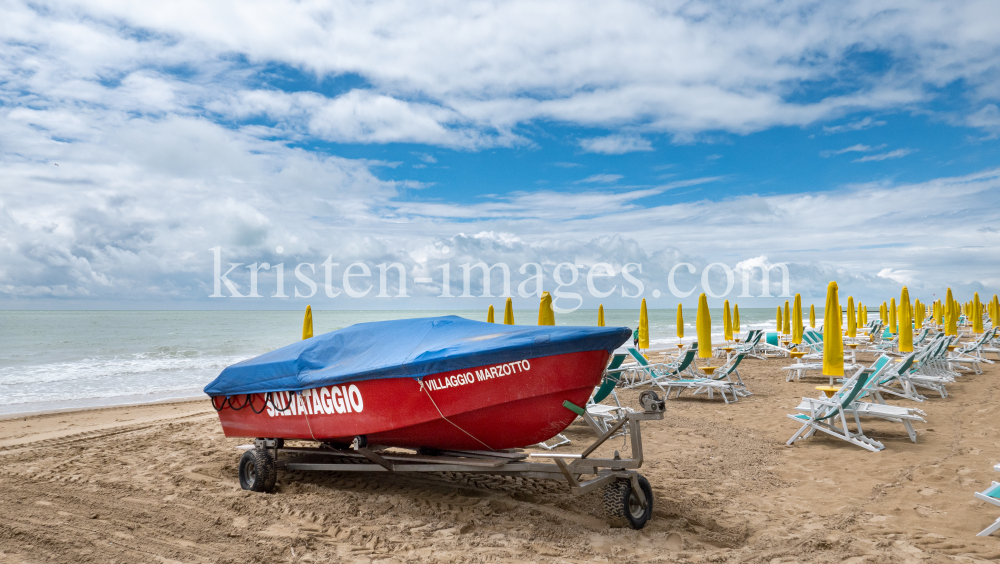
(812, 316)
(977, 314)
(703, 326)
(797, 320)
(489, 315)
(833, 339)
(727, 322)
(905, 322)
(852, 321)
(996, 310)
(893, 321)
(307, 324)
(545, 314)
(600, 316)
(777, 321)
(861, 317)
(918, 317)
(680, 322)
(787, 327)
(508, 313)
(643, 326)
(736, 319)
(865, 318)
(951, 315)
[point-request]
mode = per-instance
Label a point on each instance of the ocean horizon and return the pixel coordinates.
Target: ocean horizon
(55, 360)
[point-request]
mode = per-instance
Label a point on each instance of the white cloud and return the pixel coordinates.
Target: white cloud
(858, 148)
(861, 124)
(898, 153)
(987, 119)
(602, 178)
(615, 144)
(466, 75)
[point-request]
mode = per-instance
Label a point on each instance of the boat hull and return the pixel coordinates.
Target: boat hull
(490, 407)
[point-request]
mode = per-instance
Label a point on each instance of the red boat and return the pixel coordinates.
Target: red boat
(433, 389)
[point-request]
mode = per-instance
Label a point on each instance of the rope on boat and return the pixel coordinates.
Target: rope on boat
(424, 388)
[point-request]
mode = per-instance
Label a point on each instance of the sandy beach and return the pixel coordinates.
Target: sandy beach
(158, 483)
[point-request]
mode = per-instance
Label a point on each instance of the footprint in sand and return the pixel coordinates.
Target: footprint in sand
(674, 542)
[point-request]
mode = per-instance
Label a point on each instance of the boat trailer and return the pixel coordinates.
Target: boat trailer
(628, 497)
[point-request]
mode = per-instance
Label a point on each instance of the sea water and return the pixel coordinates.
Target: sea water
(51, 360)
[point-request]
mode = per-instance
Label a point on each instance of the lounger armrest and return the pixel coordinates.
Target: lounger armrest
(825, 402)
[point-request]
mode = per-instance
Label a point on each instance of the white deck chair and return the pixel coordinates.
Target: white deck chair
(719, 382)
(825, 413)
(991, 495)
(878, 373)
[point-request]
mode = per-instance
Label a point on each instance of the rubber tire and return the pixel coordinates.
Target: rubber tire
(617, 497)
(257, 471)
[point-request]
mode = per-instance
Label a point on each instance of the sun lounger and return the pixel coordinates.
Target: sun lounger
(643, 372)
(599, 413)
(825, 413)
(879, 374)
(991, 495)
(719, 382)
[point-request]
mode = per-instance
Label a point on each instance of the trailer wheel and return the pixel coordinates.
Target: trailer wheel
(622, 507)
(257, 471)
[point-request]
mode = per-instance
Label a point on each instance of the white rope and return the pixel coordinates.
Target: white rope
(422, 387)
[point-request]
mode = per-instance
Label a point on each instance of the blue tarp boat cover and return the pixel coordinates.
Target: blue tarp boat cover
(405, 348)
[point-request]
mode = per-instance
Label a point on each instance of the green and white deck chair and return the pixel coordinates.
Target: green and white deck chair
(972, 353)
(727, 372)
(750, 344)
(991, 495)
(991, 343)
(719, 382)
(606, 415)
(899, 375)
(879, 373)
(825, 413)
(676, 370)
(599, 413)
(936, 383)
(642, 372)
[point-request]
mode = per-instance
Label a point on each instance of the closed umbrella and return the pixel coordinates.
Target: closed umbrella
(489, 315)
(918, 315)
(508, 313)
(600, 316)
(852, 321)
(307, 324)
(861, 318)
(833, 339)
(727, 322)
(812, 316)
(703, 326)
(787, 327)
(643, 326)
(680, 322)
(797, 320)
(905, 323)
(977, 314)
(777, 320)
(951, 315)
(893, 322)
(545, 314)
(736, 319)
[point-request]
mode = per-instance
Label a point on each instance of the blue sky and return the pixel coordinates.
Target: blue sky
(858, 142)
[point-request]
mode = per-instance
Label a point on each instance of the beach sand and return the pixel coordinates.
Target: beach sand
(158, 483)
